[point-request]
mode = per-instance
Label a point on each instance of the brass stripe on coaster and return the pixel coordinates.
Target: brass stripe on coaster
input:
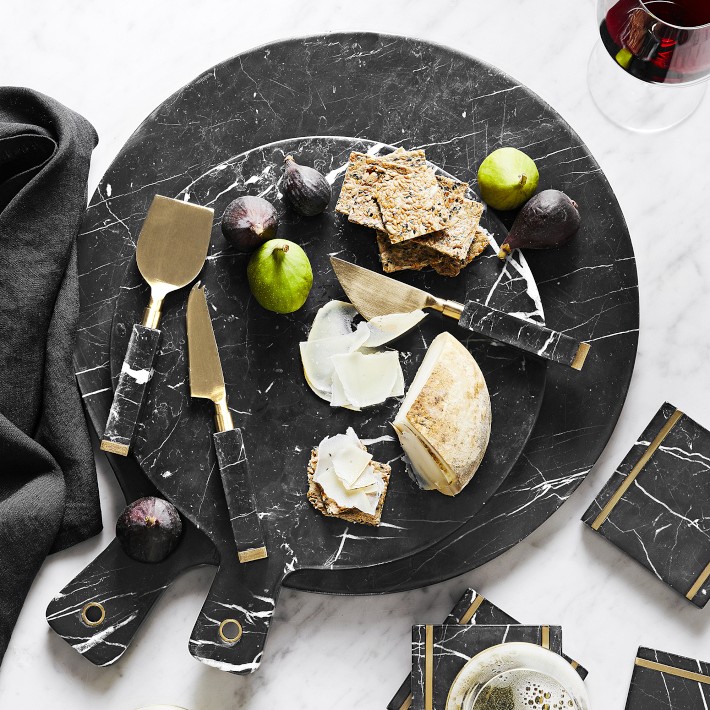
(112, 447)
(665, 430)
(255, 553)
(407, 703)
(581, 356)
(699, 583)
(429, 669)
(545, 643)
(574, 664)
(671, 670)
(472, 609)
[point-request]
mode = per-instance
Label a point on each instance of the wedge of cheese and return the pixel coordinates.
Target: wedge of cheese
(444, 423)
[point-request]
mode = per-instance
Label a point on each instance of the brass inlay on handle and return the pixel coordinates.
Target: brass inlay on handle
(671, 670)
(255, 553)
(93, 614)
(699, 583)
(665, 430)
(112, 447)
(472, 609)
(429, 669)
(581, 356)
(230, 631)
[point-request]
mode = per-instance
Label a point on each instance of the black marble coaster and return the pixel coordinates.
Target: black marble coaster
(656, 507)
(440, 652)
(471, 608)
(664, 681)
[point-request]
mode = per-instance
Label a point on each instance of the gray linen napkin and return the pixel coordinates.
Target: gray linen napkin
(48, 492)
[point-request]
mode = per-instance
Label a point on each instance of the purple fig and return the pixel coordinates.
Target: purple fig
(546, 220)
(248, 222)
(149, 529)
(306, 190)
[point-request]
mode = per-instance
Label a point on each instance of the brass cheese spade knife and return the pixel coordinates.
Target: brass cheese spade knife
(374, 295)
(207, 381)
(171, 250)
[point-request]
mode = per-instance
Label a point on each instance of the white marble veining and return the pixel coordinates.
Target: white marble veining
(115, 63)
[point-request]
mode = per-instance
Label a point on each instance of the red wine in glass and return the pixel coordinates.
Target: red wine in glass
(658, 41)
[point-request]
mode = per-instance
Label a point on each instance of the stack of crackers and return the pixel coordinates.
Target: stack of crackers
(421, 219)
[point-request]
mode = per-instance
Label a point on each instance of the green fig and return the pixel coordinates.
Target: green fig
(507, 178)
(547, 220)
(280, 276)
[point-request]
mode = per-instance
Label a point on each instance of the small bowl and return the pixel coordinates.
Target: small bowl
(490, 663)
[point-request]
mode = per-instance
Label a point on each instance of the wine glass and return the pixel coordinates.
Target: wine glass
(648, 71)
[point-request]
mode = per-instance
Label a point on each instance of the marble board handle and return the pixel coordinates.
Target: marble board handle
(524, 334)
(238, 490)
(136, 371)
(231, 630)
(99, 612)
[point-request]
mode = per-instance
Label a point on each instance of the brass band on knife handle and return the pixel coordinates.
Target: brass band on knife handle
(524, 334)
(238, 490)
(136, 372)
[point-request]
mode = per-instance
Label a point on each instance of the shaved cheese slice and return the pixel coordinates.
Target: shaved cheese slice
(366, 481)
(350, 464)
(332, 320)
(326, 477)
(337, 396)
(317, 358)
(367, 379)
(398, 388)
(386, 328)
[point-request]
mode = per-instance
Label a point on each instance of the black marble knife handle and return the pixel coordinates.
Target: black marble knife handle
(238, 490)
(99, 612)
(524, 334)
(231, 630)
(133, 381)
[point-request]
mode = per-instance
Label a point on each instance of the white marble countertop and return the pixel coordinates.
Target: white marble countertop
(114, 62)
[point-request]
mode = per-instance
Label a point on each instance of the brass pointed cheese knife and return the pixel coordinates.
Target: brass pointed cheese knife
(374, 294)
(207, 381)
(171, 250)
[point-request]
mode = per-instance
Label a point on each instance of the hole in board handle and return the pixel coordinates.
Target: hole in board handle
(230, 631)
(93, 614)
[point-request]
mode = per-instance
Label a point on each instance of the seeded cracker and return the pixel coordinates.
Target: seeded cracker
(410, 200)
(357, 195)
(407, 255)
(455, 240)
(449, 267)
(329, 507)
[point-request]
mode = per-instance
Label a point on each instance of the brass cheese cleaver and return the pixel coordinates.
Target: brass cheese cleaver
(207, 381)
(374, 294)
(172, 247)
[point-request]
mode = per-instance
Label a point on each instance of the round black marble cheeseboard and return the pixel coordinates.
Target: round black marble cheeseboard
(410, 92)
(281, 418)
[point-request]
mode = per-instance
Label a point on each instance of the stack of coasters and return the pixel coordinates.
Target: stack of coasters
(421, 219)
(473, 609)
(656, 507)
(440, 652)
(664, 681)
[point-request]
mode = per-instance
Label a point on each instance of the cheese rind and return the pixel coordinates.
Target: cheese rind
(444, 422)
